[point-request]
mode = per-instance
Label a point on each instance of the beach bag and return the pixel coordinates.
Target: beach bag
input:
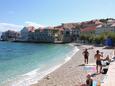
(107, 63)
(104, 71)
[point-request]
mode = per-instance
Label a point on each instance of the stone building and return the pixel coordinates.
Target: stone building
(10, 35)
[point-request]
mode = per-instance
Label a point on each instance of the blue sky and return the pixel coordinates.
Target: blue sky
(54, 12)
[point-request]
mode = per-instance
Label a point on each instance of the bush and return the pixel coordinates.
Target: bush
(112, 36)
(98, 39)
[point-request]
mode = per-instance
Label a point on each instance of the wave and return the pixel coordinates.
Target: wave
(32, 77)
(71, 54)
(36, 75)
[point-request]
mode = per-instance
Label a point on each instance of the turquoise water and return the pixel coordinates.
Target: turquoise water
(19, 59)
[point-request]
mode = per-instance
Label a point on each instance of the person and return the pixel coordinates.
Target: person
(107, 60)
(105, 63)
(86, 54)
(89, 81)
(98, 60)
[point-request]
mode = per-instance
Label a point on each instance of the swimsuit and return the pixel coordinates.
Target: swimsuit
(98, 62)
(85, 54)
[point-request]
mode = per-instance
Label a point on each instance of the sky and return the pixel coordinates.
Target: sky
(19, 13)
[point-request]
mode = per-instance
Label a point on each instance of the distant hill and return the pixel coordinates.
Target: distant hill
(84, 24)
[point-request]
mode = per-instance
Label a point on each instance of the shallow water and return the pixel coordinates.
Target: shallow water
(19, 60)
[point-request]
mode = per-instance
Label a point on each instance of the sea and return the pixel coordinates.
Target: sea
(23, 64)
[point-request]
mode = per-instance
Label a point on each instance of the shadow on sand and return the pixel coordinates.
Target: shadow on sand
(94, 74)
(87, 65)
(81, 65)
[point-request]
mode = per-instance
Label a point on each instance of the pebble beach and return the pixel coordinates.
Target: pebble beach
(73, 72)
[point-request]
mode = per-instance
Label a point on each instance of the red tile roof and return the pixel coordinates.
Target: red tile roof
(31, 28)
(59, 28)
(91, 28)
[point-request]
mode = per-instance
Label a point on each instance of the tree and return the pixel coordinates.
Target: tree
(112, 36)
(82, 37)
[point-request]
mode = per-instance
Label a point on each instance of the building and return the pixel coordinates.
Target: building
(105, 28)
(58, 34)
(76, 34)
(90, 23)
(88, 30)
(10, 35)
(44, 35)
(71, 32)
(26, 33)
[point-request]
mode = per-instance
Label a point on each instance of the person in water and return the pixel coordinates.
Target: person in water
(86, 55)
(98, 60)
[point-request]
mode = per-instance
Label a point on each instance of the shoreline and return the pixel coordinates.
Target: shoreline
(61, 66)
(32, 76)
(55, 67)
(66, 73)
(70, 73)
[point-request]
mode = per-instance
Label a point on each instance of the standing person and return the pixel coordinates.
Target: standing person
(98, 60)
(86, 55)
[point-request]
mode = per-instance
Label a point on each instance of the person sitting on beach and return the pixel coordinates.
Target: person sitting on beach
(98, 60)
(86, 54)
(105, 63)
(107, 60)
(89, 81)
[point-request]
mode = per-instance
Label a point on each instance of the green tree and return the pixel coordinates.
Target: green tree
(82, 37)
(112, 36)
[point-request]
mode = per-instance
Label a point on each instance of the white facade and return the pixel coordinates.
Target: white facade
(24, 34)
(43, 35)
(105, 28)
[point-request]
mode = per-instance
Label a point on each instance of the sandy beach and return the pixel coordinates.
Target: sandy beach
(73, 73)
